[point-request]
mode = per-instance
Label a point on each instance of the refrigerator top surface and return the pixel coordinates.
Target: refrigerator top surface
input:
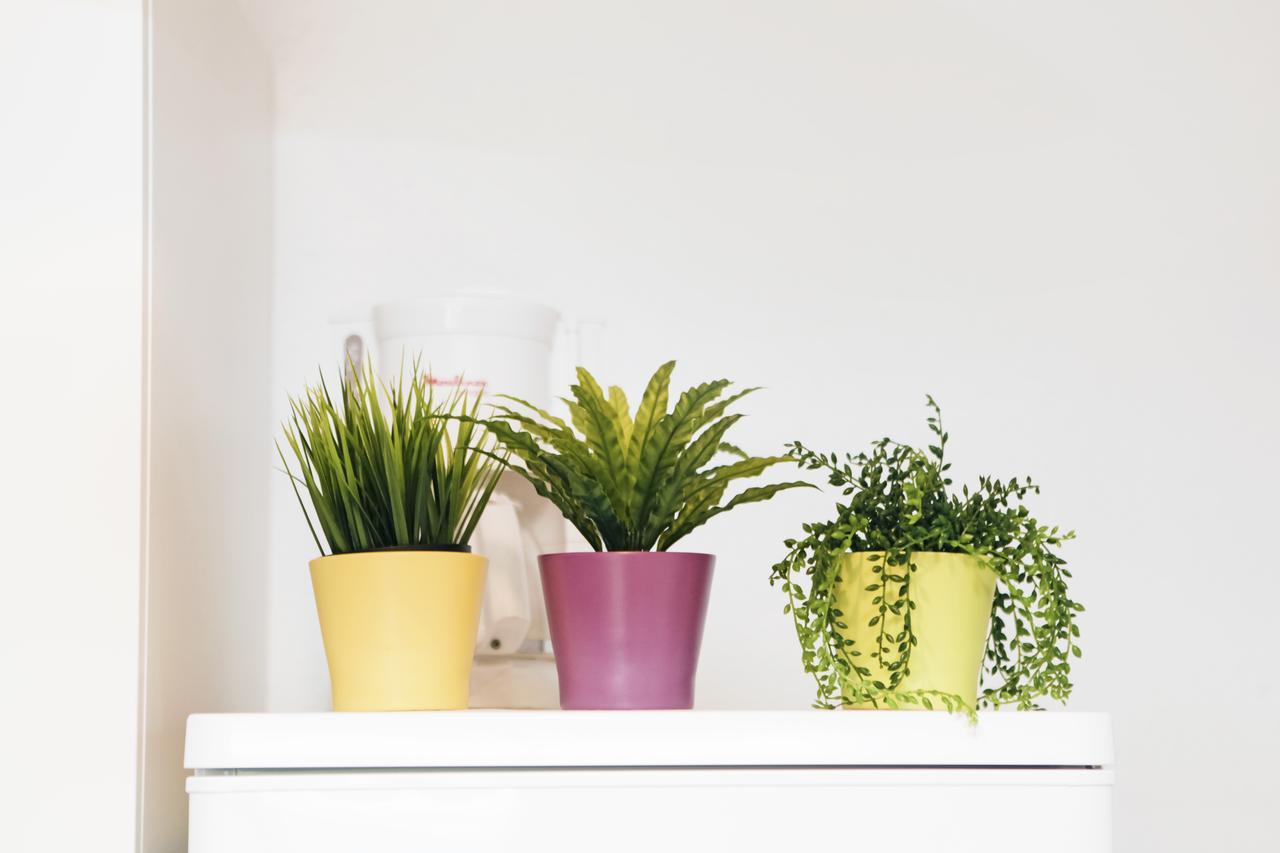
(583, 739)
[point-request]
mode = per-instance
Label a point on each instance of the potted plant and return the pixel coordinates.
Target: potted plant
(397, 478)
(626, 618)
(901, 598)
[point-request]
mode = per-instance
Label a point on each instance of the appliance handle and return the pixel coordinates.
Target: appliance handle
(354, 342)
(507, 612)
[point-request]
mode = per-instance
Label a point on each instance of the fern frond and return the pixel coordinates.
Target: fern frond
(633, 483)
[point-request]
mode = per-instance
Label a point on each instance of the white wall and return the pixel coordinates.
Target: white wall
(71, 282)
(1059, 219)
(210, 413)
(104, 371)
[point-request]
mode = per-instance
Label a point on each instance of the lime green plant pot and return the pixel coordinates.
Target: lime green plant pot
(952, 594)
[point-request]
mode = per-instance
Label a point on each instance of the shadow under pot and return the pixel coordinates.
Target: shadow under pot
(399, 626)
(626, 626)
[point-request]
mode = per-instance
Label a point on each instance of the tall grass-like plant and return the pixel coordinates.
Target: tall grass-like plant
(390, 465)
(635, 482)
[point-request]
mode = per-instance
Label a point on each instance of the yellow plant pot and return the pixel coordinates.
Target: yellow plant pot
(952, 594)
(399, 627)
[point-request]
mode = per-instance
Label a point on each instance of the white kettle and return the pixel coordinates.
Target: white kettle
(501, 344)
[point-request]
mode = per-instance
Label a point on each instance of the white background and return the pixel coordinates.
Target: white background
(135, 264)
(210, 194)
(71, 418)
(1059, 219)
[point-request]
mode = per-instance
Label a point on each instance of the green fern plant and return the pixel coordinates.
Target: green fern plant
(635, 482)
(390, 466)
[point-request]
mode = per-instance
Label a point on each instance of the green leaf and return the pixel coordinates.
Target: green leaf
(653, 406)
(594, 417)
(621, 414)
(667, 439)
(755, 494)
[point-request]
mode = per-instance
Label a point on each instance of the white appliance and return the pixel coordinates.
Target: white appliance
(490, 781)
(499, 344)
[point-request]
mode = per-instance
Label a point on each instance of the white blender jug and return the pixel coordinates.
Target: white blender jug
(501, 344)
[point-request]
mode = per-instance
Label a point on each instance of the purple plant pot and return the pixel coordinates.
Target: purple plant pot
(626, 626)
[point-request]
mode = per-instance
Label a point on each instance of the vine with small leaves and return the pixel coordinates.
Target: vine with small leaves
(898, 502)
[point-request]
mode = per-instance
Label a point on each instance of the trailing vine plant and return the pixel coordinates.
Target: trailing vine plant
(898, 501)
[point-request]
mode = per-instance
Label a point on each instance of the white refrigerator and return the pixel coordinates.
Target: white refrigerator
(488, 781)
